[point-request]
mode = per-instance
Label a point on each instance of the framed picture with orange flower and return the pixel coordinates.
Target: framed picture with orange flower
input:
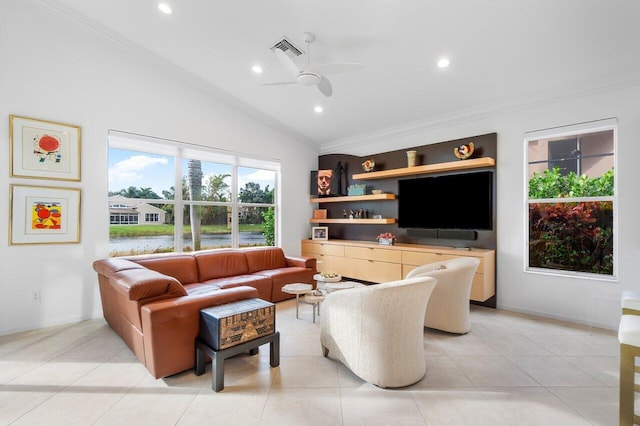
(44, 215)
(43, 149)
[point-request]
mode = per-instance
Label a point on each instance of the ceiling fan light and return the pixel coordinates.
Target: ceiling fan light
(308, 79)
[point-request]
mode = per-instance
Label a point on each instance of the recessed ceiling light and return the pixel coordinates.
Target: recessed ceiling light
(165, 8)
(318, 109)
(257, 69)
(444, 62)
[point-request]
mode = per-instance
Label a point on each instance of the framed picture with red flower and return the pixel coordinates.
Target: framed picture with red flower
(42, 149)
(44, 215)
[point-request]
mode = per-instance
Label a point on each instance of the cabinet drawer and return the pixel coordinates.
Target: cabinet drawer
(412, 259)
(334, 264)
(417, 258)
(374, 271)
(482, 288)
(369, 253)
(320, 248)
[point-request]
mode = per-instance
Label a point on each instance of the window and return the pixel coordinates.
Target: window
(151, 217)
(571, 200)
(223, 199)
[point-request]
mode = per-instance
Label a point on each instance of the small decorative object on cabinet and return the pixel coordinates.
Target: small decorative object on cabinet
(320, 233)
(368, 165)
(386, 239)
(464, 151)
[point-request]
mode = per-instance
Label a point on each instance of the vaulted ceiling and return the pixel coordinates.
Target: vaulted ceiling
(504, 54)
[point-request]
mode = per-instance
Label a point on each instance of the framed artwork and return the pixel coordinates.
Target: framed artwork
(323, 183)
(320, 233)
(44, 215)
(44, 149)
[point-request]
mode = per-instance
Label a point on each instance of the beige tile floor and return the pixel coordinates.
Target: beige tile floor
(511, 369)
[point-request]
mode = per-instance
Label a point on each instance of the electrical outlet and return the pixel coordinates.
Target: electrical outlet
(36, 295)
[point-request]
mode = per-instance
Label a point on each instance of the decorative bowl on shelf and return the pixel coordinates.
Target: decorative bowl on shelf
(328, 274)
(376, 191)
(463, 151)
(368, 165)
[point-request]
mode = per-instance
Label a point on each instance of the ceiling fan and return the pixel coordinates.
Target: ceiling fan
(312, 75)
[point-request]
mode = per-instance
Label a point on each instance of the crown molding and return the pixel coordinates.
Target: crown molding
(101, 33)
(354, 145)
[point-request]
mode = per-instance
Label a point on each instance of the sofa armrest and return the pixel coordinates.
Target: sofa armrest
(140, 284)
(301, 262)
(167, 310)
(170, 328)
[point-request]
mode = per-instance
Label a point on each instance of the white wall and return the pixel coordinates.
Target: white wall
(575, 299)
(51, 70)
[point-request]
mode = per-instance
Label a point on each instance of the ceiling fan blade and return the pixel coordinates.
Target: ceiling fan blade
(325, 87)
(334, 68)
(279, 83)
(286, 62)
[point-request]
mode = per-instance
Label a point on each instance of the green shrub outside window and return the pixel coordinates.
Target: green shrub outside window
(571, 215)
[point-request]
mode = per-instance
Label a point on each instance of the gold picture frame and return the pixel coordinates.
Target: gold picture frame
(43, 215)
(319, 232)
(41, 149)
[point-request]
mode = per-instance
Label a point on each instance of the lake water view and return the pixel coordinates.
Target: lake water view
(149, 243)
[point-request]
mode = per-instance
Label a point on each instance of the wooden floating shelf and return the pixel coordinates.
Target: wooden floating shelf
(355, 221)
(370, 197)
(473, 163)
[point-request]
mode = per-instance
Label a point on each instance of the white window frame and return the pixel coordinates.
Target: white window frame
(559, 132)
(183, 150)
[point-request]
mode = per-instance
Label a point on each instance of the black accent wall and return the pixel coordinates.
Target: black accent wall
(485, 146)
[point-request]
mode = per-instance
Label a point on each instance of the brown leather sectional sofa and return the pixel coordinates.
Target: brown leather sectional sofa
(153, 301)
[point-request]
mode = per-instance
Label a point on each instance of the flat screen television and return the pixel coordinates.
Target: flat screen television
(457, 201)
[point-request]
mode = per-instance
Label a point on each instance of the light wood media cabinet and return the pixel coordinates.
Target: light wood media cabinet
(377, 263)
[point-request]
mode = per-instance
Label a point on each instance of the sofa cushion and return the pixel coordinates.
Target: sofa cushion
(283, 276)
(220, 263)
(180, 266)
(199, 288)
(259, 282)
(262, 258)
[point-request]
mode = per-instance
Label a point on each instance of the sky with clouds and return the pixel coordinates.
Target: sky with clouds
(143, 170)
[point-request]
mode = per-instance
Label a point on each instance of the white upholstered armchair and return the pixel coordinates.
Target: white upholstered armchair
(448, 307)
(377, 331)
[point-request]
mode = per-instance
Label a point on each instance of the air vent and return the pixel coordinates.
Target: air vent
(287, 47)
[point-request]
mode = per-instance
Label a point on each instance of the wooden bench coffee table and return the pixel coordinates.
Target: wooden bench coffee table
(231, 329)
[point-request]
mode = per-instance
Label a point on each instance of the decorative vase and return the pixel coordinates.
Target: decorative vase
(385, 241)
(411, 158)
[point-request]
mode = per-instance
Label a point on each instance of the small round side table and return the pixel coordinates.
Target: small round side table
(321, 281)
(315, 299)
(297, 289)
(342, 286)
